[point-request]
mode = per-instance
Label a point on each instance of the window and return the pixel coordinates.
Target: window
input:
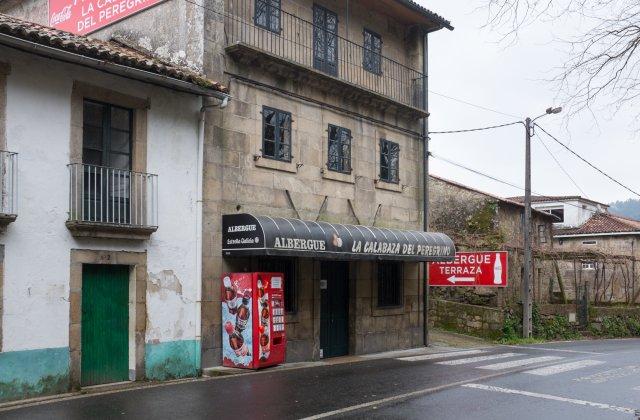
(287, 266)
(325, 40)
(106, 135)
(589, 242)
(267, 15)
(339, 149)
(389, 157)
(106, 157)
(276, 134)
(558, 213)
(389, 284)
(542, 234)
(589, 265)
(372, 58)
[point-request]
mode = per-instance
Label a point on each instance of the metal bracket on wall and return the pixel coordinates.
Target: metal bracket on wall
(292, 204)
(322, 207)
(353, 211)
(375, 216)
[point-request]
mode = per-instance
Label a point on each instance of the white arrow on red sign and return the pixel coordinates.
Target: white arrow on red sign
(454, 279)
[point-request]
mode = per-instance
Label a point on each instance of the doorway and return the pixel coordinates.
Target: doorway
(105, 324)
(334, 309)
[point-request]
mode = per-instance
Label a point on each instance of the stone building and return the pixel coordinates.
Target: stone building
(100, 183)
(479, 221)
(325, 125)
(603, 251)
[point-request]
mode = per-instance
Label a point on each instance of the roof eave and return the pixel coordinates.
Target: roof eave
(109, 67)
(438, 20)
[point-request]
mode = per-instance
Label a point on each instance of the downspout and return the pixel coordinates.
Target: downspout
(425, 183)
(199, 208)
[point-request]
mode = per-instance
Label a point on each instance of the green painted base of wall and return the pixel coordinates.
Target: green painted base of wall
(172, 360)
(32, 373)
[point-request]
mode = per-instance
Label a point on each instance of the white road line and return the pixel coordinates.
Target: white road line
(478, 359)
(521, 362)
(609, 375)
(552, 349)
(552, 397)
(440, 355)
(564, 367)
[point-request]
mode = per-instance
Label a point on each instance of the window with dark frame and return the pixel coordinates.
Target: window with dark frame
(267, 15)
(389, 161)
(339, 154)
(286, 266)
(372, 56)
(389, 284)
(107, 137)
(276, 134)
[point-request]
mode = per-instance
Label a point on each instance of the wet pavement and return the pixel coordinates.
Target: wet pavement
(589, 379)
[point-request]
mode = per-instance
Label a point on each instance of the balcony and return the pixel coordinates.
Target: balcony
(9, 185)
(112, 203)
(290, 53)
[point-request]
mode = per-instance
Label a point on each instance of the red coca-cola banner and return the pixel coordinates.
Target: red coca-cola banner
(86, 16)
(471, 269)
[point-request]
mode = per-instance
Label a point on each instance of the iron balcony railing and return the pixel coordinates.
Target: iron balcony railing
(9, 181)
(112, 196)
(300, 41)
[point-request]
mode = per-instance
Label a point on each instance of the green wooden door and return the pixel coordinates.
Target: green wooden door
(105, 324)
(334, 309)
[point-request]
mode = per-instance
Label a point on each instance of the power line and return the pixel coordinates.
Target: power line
(468, 130)
(561, 167)
(493, 178)
(587, 162)
(474, 105)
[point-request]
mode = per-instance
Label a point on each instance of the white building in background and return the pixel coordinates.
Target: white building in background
(101, 214)
(570, 211)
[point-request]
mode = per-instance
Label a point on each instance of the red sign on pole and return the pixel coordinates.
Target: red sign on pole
(485, 269)
(86, 16)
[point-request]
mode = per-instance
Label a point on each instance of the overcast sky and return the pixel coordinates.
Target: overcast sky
(470, 64)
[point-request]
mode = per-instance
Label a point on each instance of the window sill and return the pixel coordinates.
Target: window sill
(278, 165)
(389, 186)
(387, 311)
(80, 229)
(339, 176)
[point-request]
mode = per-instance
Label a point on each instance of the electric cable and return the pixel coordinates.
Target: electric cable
(586, 161)
(473, 105)
(468, 130)
(561, 167)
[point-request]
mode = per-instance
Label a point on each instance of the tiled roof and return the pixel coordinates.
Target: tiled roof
(426, 12)
(550, 199)
(603, 223)
(101, 50)
(495, 197)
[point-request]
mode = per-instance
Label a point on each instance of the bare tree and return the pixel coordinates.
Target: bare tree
(603, 64)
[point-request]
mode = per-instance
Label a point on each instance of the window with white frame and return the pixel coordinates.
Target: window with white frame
(589, 265)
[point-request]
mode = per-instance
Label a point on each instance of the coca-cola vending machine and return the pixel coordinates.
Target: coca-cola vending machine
(253, 333)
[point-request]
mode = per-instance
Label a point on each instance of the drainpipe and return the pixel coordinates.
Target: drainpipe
(425, 183)
(199, 204)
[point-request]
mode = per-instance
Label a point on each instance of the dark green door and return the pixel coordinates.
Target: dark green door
(334, 309)
(105, 324)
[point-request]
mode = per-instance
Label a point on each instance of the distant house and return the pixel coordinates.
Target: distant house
(570, 211)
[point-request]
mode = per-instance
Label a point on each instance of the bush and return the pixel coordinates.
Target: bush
(617, 327)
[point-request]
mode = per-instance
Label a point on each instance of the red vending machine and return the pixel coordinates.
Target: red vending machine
(253, 333)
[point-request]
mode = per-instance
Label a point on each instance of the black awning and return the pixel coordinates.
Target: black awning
(246, 235)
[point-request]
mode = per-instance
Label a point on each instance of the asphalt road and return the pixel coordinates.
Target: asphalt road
(589, 379)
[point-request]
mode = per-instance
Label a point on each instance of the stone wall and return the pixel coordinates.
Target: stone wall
(469, 319)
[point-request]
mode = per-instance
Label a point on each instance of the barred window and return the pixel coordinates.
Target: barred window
(286, 266)
(389, 284)
(339, 149)
(276, 134)
(542, 234)
(372, 58)
(389, 161)
(267, 15)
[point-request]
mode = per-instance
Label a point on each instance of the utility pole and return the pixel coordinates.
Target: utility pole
(527, 306)
(527, 284)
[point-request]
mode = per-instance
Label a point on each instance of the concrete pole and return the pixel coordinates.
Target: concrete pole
(527, 308)
(425, 183)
